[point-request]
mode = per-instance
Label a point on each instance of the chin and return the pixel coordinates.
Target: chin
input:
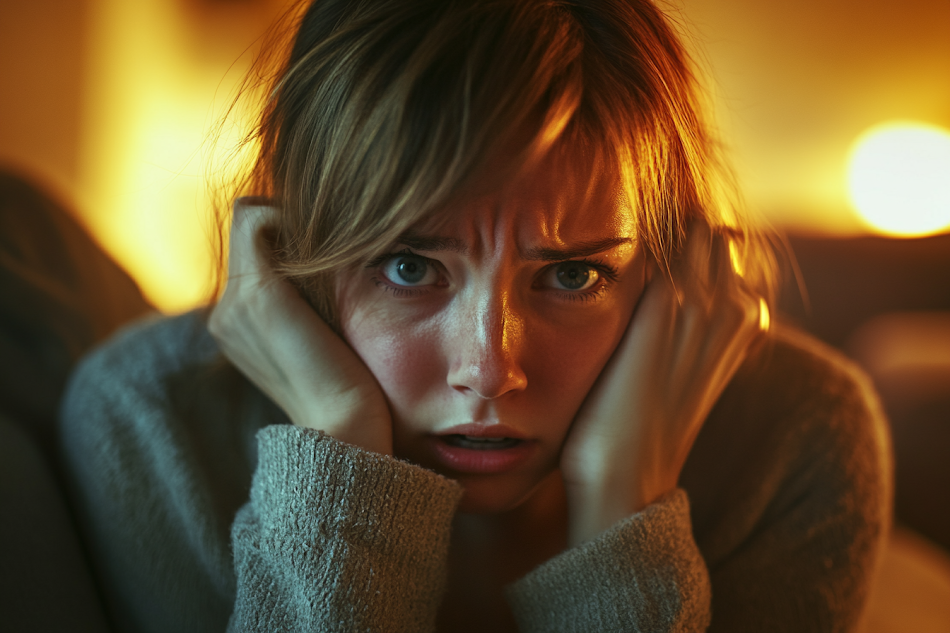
(494, 495)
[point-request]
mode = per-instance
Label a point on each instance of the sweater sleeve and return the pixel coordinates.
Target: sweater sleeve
(335, 538)
(787, 526)
(643, 574)
(202, 509)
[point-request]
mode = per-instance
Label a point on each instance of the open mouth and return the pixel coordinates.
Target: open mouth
(480, 443)
(479, 449)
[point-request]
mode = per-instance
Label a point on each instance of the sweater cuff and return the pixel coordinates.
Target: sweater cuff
(303, 474)
(643, 574)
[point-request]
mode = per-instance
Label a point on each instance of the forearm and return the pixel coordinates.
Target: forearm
(643, 574)
(339, 539)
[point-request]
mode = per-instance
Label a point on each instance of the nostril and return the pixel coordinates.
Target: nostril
(489, 380)
(487, 361)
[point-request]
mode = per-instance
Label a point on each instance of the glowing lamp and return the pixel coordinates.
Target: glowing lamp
(899, 178)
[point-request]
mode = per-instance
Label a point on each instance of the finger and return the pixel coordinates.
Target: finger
(733, 272)
(734, 324)
(719, 324)
(249, 217)
(754, 316)
(698, 272)
(692, 271)
(765, 317)
(645, 347)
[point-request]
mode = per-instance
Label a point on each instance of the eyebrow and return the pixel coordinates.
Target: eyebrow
(432, 243)
(583, 249)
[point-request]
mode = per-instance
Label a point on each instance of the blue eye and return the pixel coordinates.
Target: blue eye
(410, 270)
(573, 276)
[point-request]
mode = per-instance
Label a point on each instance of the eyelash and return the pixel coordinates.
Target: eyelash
(387, 286)
(608, 276)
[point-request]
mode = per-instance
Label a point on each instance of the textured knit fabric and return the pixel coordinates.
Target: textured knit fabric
(316, 507)
(204, 509)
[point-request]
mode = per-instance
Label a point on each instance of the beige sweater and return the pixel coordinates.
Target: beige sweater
(204, 510)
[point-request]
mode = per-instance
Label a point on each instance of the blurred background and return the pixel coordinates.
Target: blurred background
(836, 114)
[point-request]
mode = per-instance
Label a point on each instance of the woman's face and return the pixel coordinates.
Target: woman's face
(487, 329)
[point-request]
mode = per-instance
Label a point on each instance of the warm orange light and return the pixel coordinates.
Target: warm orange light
(151, 103)
(736, 258)
(899, 178)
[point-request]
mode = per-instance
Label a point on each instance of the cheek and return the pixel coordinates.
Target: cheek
(405, 360)
(572, 359)
(568, 356)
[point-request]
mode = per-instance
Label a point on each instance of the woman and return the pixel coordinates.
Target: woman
(505, 360)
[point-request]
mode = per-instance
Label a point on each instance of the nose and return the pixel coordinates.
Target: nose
(487, 347)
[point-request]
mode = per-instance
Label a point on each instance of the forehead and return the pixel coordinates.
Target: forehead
(555, 204)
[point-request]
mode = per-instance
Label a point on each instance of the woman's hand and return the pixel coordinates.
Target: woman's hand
(688, 336)
(276, 339)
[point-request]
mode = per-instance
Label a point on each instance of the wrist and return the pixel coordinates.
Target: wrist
(350, 419)
(595, 508)
(596, 504)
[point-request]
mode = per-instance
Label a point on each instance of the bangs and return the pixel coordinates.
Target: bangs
(387, 110)
(421, 105)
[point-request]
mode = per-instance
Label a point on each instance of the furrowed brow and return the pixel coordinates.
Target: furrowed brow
(432, 243)
(583, 249)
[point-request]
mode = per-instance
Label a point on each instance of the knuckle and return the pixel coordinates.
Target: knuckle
(224, 318)
(751, 320)
(217, 322)
(741, 312)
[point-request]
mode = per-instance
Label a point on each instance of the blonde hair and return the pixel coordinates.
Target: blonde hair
(381, 111)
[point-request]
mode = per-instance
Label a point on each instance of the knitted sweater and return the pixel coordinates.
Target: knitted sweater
(203, 509)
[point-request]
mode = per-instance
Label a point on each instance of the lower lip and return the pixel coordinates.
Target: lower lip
(482, 462)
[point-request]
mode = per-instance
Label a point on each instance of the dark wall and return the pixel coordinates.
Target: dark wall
(848, 281)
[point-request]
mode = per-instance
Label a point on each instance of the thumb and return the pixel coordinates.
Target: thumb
(246, 252)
